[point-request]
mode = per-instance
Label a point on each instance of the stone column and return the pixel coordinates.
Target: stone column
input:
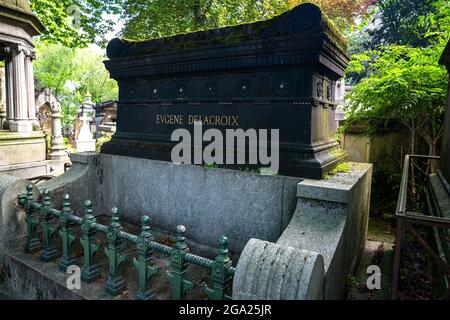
(9, 92)
(2, 98)
(30, 57)
(84, 142)
(21, 123)
(57, 148)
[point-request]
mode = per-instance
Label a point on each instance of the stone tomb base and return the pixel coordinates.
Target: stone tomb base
(321, 223)
(19, 148)
(24, 155)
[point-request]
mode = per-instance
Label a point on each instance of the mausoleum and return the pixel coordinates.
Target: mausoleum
(22, 143)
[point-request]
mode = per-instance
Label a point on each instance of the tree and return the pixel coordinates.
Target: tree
(76, 23)
(345, 11)
(439, 22)
(159, 18)
(405, 84)
(93, 76)
(402, 22)
(54, 66)
(71, 73)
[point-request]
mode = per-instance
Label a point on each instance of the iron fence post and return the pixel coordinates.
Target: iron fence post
(33, 243)
(90, 271)
(221, 275)
(67, 235)
(49, 251)
(115, 283)
(142, 262)
(179, 266)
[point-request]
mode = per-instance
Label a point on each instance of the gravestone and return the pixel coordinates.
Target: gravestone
(44, 101)
(105, 117)
(275, 74)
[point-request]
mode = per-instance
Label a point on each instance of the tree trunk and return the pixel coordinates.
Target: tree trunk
(432, 152)
(198, 17)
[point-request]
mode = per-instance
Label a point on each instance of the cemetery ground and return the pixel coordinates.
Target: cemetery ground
(416, 280)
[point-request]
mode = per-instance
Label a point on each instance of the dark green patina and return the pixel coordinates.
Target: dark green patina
(49, 251)
(115, 284)
(33, 243)
(67, 236)
(221, 268)
(221, 274)
(90, 271)
(179, 266)
(142, 262)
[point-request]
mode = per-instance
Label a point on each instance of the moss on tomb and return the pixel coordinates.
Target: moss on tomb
(234, 34)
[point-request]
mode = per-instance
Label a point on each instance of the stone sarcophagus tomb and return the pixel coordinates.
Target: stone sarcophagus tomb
(275, 74)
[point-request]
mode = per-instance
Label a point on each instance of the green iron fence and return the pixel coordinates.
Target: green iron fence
(43, 216)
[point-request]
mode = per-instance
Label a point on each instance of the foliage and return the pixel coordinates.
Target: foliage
(70, 74)
(404, 84)
(158, 18)
(403, 23)
(68, 146)
(76, 23)
(359, 36)
(342, 167)
(55, 64)
(439, 21)
(106, 136)
(82, 22)
(347, 10)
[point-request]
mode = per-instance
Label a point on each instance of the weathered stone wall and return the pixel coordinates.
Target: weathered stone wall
(22, 148)
(331, 219)
(12, 223)
(209, 202)
(384, 145)
(330, 222)
(82, 182)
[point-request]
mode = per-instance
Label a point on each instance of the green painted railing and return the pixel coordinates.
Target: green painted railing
(44, 215)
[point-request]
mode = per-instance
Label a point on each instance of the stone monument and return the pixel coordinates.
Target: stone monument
(18, 26)
(275, 74)
(84, 141)
(57, 148)
(105, 117)
(22, 142)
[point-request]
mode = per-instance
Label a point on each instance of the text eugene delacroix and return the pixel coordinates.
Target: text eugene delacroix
(229, 121)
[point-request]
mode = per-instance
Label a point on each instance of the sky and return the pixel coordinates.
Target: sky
(111, 35)
(118, 26)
